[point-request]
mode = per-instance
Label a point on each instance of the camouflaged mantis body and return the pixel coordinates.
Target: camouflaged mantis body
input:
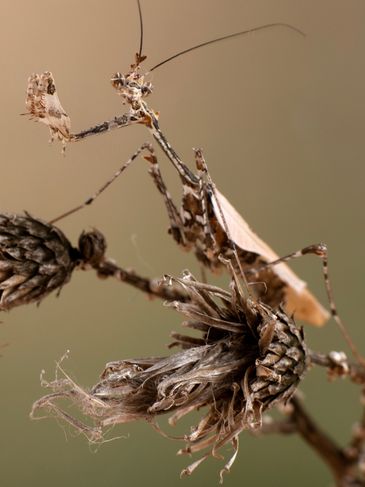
(206, 222)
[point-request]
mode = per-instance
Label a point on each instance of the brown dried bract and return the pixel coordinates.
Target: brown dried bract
(247, 359)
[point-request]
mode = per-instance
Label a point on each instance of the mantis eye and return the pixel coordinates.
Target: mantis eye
(118, 81)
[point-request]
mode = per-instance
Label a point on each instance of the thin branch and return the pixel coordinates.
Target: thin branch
(338, 365)
(345, 464)
(282, 427)
(356, 445)
(164, 289)
(317, 439)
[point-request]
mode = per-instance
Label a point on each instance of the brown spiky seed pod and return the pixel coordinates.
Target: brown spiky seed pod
(247, 359)
(37, 258)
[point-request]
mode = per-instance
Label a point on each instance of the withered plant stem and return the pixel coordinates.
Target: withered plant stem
(343, 368)
(167, 290)
(325, 446)
(344, 463)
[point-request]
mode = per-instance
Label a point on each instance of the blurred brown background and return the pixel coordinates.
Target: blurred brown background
(281, 121)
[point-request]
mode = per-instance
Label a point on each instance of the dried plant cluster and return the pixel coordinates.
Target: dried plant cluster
(247, 354)
(247, 359)
(36, 258)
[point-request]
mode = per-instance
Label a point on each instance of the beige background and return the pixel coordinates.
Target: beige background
(281, 120)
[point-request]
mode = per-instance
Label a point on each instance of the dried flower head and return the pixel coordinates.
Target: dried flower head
(247, 359)
(37, 258)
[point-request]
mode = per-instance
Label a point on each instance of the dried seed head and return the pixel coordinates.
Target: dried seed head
(247, 359)
(37, 258)
(92, 247)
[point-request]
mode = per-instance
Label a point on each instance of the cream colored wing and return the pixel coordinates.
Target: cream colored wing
(299, 300)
